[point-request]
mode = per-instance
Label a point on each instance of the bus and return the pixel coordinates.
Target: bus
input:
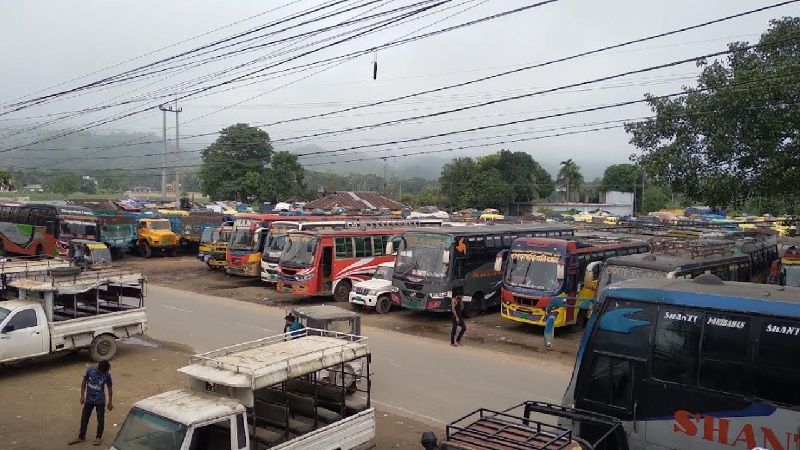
(39, 229)
(214, 244)
(276, 236)
(433, 265)
(787, 269)
(326, 262)
(691, 364)
(675, 259)
(539, 269)
(246, 242)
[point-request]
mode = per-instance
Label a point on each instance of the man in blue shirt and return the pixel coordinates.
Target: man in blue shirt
(293, 326)
(93, 397)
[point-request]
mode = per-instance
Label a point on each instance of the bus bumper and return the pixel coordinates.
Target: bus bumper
(422, 304)
(292, 288)
(533, 316)
(247, 269)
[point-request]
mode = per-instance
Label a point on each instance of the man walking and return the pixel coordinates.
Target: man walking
(457, 316)
(93, 397)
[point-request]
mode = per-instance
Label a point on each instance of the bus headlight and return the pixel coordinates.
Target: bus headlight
(395, 289)
(306, 277)
(441, 294)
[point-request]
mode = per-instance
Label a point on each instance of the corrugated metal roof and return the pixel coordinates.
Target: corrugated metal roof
(189, 407)
(99, 204)
(354, 200)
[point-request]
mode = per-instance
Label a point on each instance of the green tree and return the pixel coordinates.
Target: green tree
(570, 179)
(737, 133)
(530, 180)
(88, 186)
(64, 184)
(114, 184)
(6, 180)
(239, 150)
(655, 198)
(623, 178)
(456, 179)
(287, 177)
(489, 189)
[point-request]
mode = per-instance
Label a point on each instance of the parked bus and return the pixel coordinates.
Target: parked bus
(328, 262)
(539, 269)
(432, 265)
(676, 259)
(246, 242)
(276, 236)
(787, 269)
(38, 229)
(691, 364)
(213, 245)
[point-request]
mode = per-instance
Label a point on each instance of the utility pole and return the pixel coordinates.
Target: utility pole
(384, 176)
(177, 156)
(177, 111)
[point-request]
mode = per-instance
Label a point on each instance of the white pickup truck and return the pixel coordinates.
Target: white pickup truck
(375, 292)
(264, 394)
(72, 311)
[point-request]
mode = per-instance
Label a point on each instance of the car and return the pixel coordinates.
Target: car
(376, 292)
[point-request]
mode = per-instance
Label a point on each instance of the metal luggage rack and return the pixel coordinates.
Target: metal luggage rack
(490, 429)
(691, 248)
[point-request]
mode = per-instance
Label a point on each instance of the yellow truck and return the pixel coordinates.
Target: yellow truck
(156, 235)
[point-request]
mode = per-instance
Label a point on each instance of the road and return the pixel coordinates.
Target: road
(414, 377)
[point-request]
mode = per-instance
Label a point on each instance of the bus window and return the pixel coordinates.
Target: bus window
(677, 341)
(344, 247)
(778, 361)
(628, 333)
(724, 353)
(609, 382)
(507, 241)
(363, 246)
(379, 244)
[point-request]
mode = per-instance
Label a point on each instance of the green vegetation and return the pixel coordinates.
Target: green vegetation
(570, 179)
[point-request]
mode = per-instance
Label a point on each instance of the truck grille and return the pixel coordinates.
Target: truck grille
(525, 301)
(362, 291)
(414, 295)
(414, 286)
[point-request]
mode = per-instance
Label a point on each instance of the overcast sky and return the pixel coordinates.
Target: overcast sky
(48, 42)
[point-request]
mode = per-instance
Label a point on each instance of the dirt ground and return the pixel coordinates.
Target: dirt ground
(489, 330)
(40, 408)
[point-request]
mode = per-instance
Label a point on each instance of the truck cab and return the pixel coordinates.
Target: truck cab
(375, 292)
(156, 235)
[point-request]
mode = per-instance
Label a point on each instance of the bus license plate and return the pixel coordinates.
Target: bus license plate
(412, 303)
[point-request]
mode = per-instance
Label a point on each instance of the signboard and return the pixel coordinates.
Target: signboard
(536, 256)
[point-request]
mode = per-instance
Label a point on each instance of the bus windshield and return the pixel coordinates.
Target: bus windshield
(792, 273)
(614, 274)
(209, 235)
(241, 239)
(144, 430)
(273, 247)
(78, 228)
(299, 251)
(423, 255)
(534, 270)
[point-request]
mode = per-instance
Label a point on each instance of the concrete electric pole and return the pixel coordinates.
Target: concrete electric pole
(176, 110)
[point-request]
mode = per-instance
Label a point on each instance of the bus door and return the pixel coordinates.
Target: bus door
(613, 370)
(327, 268)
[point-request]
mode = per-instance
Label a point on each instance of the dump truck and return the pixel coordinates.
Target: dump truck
(117, 232)
(264, 394)
(66, 309)
(155, 235)
(190, 226)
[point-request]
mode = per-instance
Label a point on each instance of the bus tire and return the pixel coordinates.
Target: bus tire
(384, 304)
(39, 250)
(104, 347)
(342, 291)
(475, 307)
(145, 250)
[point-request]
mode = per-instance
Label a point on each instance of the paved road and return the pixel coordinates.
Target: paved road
(415, 377)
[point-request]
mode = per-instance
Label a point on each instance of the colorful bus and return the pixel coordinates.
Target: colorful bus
(434, 264)
(690, 364)
(328, 262)
(246, 243)
(676, 259)
(39, 229)
(276, 236)
(538, 269)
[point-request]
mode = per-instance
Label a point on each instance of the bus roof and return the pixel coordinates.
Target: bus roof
(708, 291)
(476, 230)
(581, 244)
(347, 232)
(667, 263)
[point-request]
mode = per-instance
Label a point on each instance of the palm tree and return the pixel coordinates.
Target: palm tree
(570, 178)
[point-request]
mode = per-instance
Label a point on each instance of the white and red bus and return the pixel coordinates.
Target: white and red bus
(330, 261)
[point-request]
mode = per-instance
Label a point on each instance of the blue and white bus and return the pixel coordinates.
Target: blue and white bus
(691, 364)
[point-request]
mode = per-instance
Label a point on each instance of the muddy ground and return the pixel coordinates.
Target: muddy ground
(488, 331)
(40, 408)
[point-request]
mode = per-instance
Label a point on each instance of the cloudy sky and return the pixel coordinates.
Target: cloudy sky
(53, 45)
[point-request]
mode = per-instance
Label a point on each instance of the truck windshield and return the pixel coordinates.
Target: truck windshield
(273, 247)
(241, 239)
(792, 275)
(614, 274)
(159, 226)
(422, 255)
(143, 430)
(534, 270)
(4, 313)
(209, 235)
(299, 251)
(383, 273)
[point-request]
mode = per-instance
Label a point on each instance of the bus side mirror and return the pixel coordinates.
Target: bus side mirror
(498, 261)
(549, 329)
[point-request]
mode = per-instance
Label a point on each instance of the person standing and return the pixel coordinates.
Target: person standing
(457, 316)
(93, 397)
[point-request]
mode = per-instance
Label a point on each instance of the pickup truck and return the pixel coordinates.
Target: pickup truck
(259, 395)
(375, 292)
(68, 311)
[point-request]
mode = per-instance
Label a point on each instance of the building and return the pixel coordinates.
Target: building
(354, 201)
(615, 203)
(34, 188)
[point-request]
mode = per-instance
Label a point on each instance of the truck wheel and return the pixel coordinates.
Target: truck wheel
(173, 252)
(104, 347)
(145, 250)
(384, 304)
(342, 291)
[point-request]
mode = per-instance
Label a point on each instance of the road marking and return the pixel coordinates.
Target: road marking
(253, 326)
(410, 414)
(177, 309)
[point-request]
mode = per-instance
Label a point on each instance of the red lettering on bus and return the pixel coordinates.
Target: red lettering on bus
(709, 429)
(747, 436)
(686, 421)
(718, 430)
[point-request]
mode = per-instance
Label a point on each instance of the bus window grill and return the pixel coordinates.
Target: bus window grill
(691, 248)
